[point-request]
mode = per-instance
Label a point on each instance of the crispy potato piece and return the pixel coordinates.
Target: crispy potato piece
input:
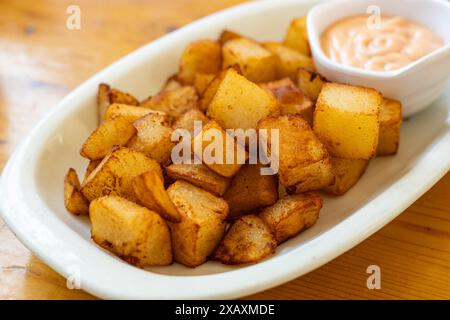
(291, 99)
(153, 137)
(210, 90)
(117, 96)
(297, 36)
(289, 60)
(303, 160)
(292, 215)
(228, 35)
(203, 56)
(202, 223)
(199, 175)
(102, 99)
(248, 240)
(74, 200)
(114, 132)
(134, 233)
(346, 172)
(250, 190)
(149, 189)
(172, 83)
(310, 82)
(256, 63)
(202, 80)
(206, 141)
(114, 175)
(239, 103)
(174, 102)
(390, 124)
(91, 166)
(186, 121)
(356, 109)
(131, 113)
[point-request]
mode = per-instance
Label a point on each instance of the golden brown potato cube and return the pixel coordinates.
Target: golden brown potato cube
(248, 240)
(390, 124)
(310, 82)
(131, 113)
(199, 175)
(347, 120)
(149, 189)
(172, 83)
(346, 172)
(117, 96)
(250, 190)
(74, 200)
(203, 56)
(153, 137)
(91, 166)
(302, 159)
(102, 99)
(134, 233)
(256, 63)
(228, 35)
(210, 90)
(239, 103)
(186, 121)
(291, 99)
(297, 36)
(202, 223)
(202, 80)
(114, 175)
(292, 215)
(209, 140)
(113, 132)
(174, 102)
(289, 60)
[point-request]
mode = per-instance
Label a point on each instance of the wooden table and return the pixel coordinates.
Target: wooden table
(41, 61)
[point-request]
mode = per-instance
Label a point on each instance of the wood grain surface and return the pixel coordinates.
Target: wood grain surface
(41, 61)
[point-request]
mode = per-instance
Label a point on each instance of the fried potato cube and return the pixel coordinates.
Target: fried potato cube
(310, 82)
(186, 121)
(205, 145)
(302, 159)
(202, 223)
(199, 175)
(74, 200)
(153, 137)
(249, 190)
(256, 63)
(292, 215)
(248, 240)
(114, 175)
(149, 189)
(228, 35)
(347, 120)
(346, 172)
(202, 80)
(390, 124)
(211, 89)
(172, 83)
(291, 99)
(239, 103)
(102, 99)
(113, 132)
(117, 96)
(131, 113)
(297, 36)
(174, 102)
(134, 233)
(203, 56)
(289, 60)
(91, 166)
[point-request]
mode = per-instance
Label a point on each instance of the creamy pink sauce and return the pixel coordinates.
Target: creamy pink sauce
(392, 43)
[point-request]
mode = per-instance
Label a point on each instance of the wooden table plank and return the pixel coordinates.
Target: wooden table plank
(41, 61)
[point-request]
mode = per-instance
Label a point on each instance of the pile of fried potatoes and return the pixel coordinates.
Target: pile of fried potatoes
(150, 211)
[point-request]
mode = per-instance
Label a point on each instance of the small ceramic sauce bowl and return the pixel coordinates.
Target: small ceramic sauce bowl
(417, 84)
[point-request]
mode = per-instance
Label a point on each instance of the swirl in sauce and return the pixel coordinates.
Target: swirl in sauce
(392, 44)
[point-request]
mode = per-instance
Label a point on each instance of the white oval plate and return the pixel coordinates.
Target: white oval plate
(32, 182)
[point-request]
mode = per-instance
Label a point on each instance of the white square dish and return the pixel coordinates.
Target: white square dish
(31, 190)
